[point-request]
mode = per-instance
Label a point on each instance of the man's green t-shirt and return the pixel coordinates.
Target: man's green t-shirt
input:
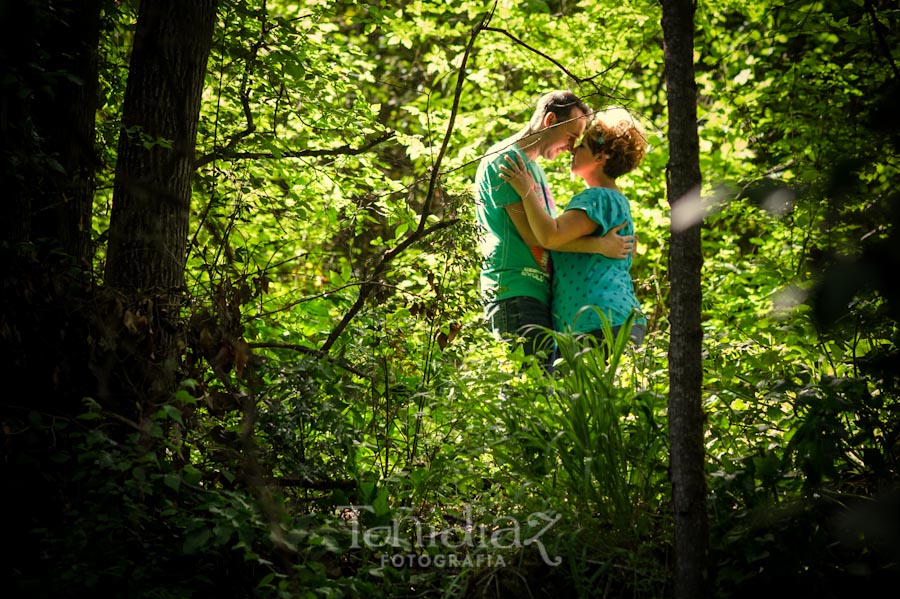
(510, 267)
(581, 280)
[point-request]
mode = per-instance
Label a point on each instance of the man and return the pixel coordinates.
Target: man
(516, 271)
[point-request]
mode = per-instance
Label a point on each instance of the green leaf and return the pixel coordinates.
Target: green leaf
(184, 397)
(171, 412)
(173, 481)
(195, 540)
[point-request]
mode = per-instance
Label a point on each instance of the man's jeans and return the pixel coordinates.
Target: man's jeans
(519, 317)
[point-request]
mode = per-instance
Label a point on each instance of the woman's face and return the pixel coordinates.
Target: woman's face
(583, 160)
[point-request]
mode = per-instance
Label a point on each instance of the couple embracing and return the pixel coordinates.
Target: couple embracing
(526, 287)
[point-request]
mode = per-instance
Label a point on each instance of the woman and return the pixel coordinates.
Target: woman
(613, 144)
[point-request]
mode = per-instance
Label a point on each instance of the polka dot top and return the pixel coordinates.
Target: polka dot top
(584, 284)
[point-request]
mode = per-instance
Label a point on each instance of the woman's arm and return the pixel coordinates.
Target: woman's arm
(611, 245)
(551, 233)
(555, 233)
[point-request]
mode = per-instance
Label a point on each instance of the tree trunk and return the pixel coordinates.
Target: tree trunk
(48, 99)
(152, 191)
(685, 261)
(50, 49)
(67, 121)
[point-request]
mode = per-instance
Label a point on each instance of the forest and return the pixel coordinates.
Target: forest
(244, 343)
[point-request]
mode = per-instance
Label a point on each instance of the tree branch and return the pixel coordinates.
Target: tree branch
(421, 230)
(306, 350)
(313, 485)
(572, 75)
(346, 150)
(460, 79)
(367, 288)
(882, 42)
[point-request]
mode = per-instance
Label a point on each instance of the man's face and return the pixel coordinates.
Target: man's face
(562, 134)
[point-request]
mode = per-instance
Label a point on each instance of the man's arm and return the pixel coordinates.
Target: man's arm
(611, 244)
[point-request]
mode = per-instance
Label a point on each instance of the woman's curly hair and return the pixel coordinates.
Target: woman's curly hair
(615, 133)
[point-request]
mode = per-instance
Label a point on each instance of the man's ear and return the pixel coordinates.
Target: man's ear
(549, 119)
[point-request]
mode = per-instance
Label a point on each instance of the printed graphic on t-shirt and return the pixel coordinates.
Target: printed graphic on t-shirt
(542, 257)
(533, 273)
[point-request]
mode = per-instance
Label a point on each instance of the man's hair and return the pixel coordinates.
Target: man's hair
(617, 134)
(561, 103)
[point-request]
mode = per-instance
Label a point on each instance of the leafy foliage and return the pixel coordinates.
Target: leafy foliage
(335, 373)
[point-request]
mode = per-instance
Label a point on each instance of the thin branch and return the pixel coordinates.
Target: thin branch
(572, 75)
(366, 289)
(882, 42)
(326, 293)
(244, 93)
(291, 346)
(251, 124)
(308, 298)
(307, 350)
(460, 79)
(313, 485)
(421, 230)
(346, 150)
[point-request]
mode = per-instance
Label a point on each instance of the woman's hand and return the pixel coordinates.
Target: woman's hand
(515, 173)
